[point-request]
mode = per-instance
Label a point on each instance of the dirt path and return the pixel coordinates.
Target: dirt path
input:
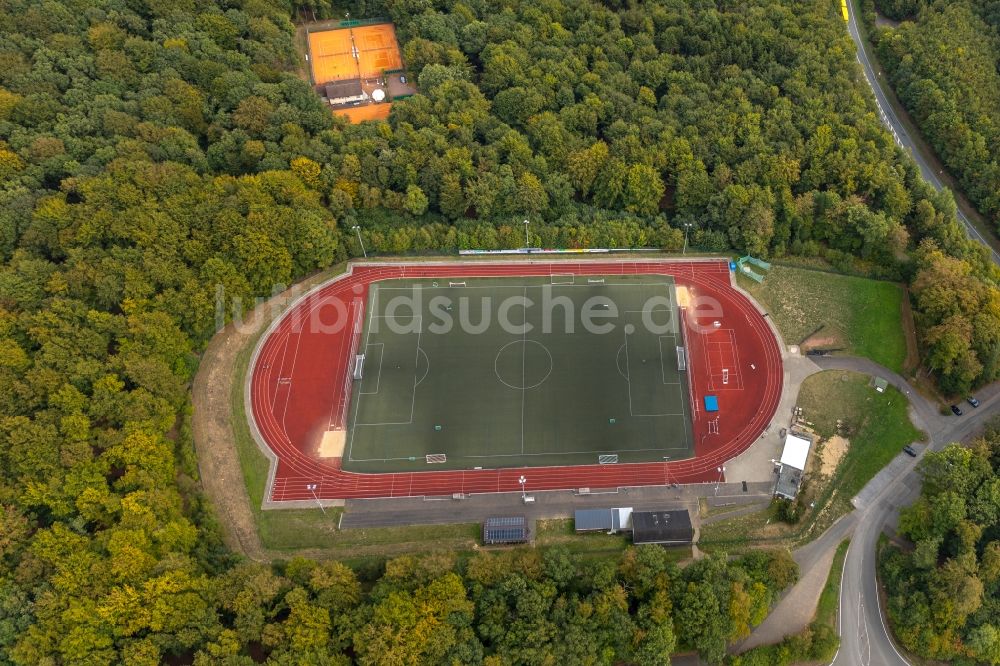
(218, 464)
(218, 461)
(912, 361)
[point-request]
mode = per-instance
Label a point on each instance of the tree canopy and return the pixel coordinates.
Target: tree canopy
(158, 154)
(944, 590)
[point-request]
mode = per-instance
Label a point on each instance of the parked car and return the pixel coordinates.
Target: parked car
(956, 410)
(972, 401)
(910, 451)
(402, 78)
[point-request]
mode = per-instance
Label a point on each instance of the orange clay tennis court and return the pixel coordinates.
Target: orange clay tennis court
(378, 49)
(332, 52)
(356, 114)
(330, 56)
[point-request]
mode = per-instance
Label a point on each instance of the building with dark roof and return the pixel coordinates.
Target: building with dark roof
(669, 528)
(501, 530)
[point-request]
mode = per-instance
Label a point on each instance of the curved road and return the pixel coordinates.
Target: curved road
(864, 635)
(899, 132)
(865, 638)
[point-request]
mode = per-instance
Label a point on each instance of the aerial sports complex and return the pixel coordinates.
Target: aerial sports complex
(439, 379)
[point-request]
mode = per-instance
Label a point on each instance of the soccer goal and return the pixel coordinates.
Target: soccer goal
(608, 459)
(563, 278)
(433, 458)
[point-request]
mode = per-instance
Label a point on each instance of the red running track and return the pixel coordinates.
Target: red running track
(298, 389)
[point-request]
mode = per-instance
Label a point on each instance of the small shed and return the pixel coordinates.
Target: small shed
(792, 465)
(669, 528)
(881, 384)
(503, 530)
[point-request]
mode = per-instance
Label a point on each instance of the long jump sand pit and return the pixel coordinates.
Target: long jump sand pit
(332, 444)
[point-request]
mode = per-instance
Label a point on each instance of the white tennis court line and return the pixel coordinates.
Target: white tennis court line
(378, 377)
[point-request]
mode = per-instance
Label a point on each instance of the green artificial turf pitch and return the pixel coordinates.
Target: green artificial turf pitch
(488, 395)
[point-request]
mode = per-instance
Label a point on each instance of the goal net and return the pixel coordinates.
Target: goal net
(436, 458)
(354, 372)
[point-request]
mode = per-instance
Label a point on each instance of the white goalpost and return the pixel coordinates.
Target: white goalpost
(354, 372)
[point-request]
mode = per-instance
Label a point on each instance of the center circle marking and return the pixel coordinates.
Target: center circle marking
(534, 368)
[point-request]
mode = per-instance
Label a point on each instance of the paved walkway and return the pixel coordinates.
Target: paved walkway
(755, 464)
(548, 504)
(797, 607)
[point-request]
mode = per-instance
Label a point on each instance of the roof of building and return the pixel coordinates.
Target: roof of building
(605, 520)
(505, 529)
(789, 481)
(341, 89)
(667, 527)
(796, 451)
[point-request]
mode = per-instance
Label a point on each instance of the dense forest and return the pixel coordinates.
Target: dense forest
(944, 584)
(153, 152)
(943, 63)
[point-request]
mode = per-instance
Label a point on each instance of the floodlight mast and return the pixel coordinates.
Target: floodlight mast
(527, 243)
(721, 471)
(311, 487)
(360, 242)
(522, 481)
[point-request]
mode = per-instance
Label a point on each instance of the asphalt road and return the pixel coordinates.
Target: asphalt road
(864, 634)
(902, 137)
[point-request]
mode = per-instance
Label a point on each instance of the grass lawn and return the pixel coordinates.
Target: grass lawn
(877, 424)
(829, 598)
(878, 427)
(860, 315)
